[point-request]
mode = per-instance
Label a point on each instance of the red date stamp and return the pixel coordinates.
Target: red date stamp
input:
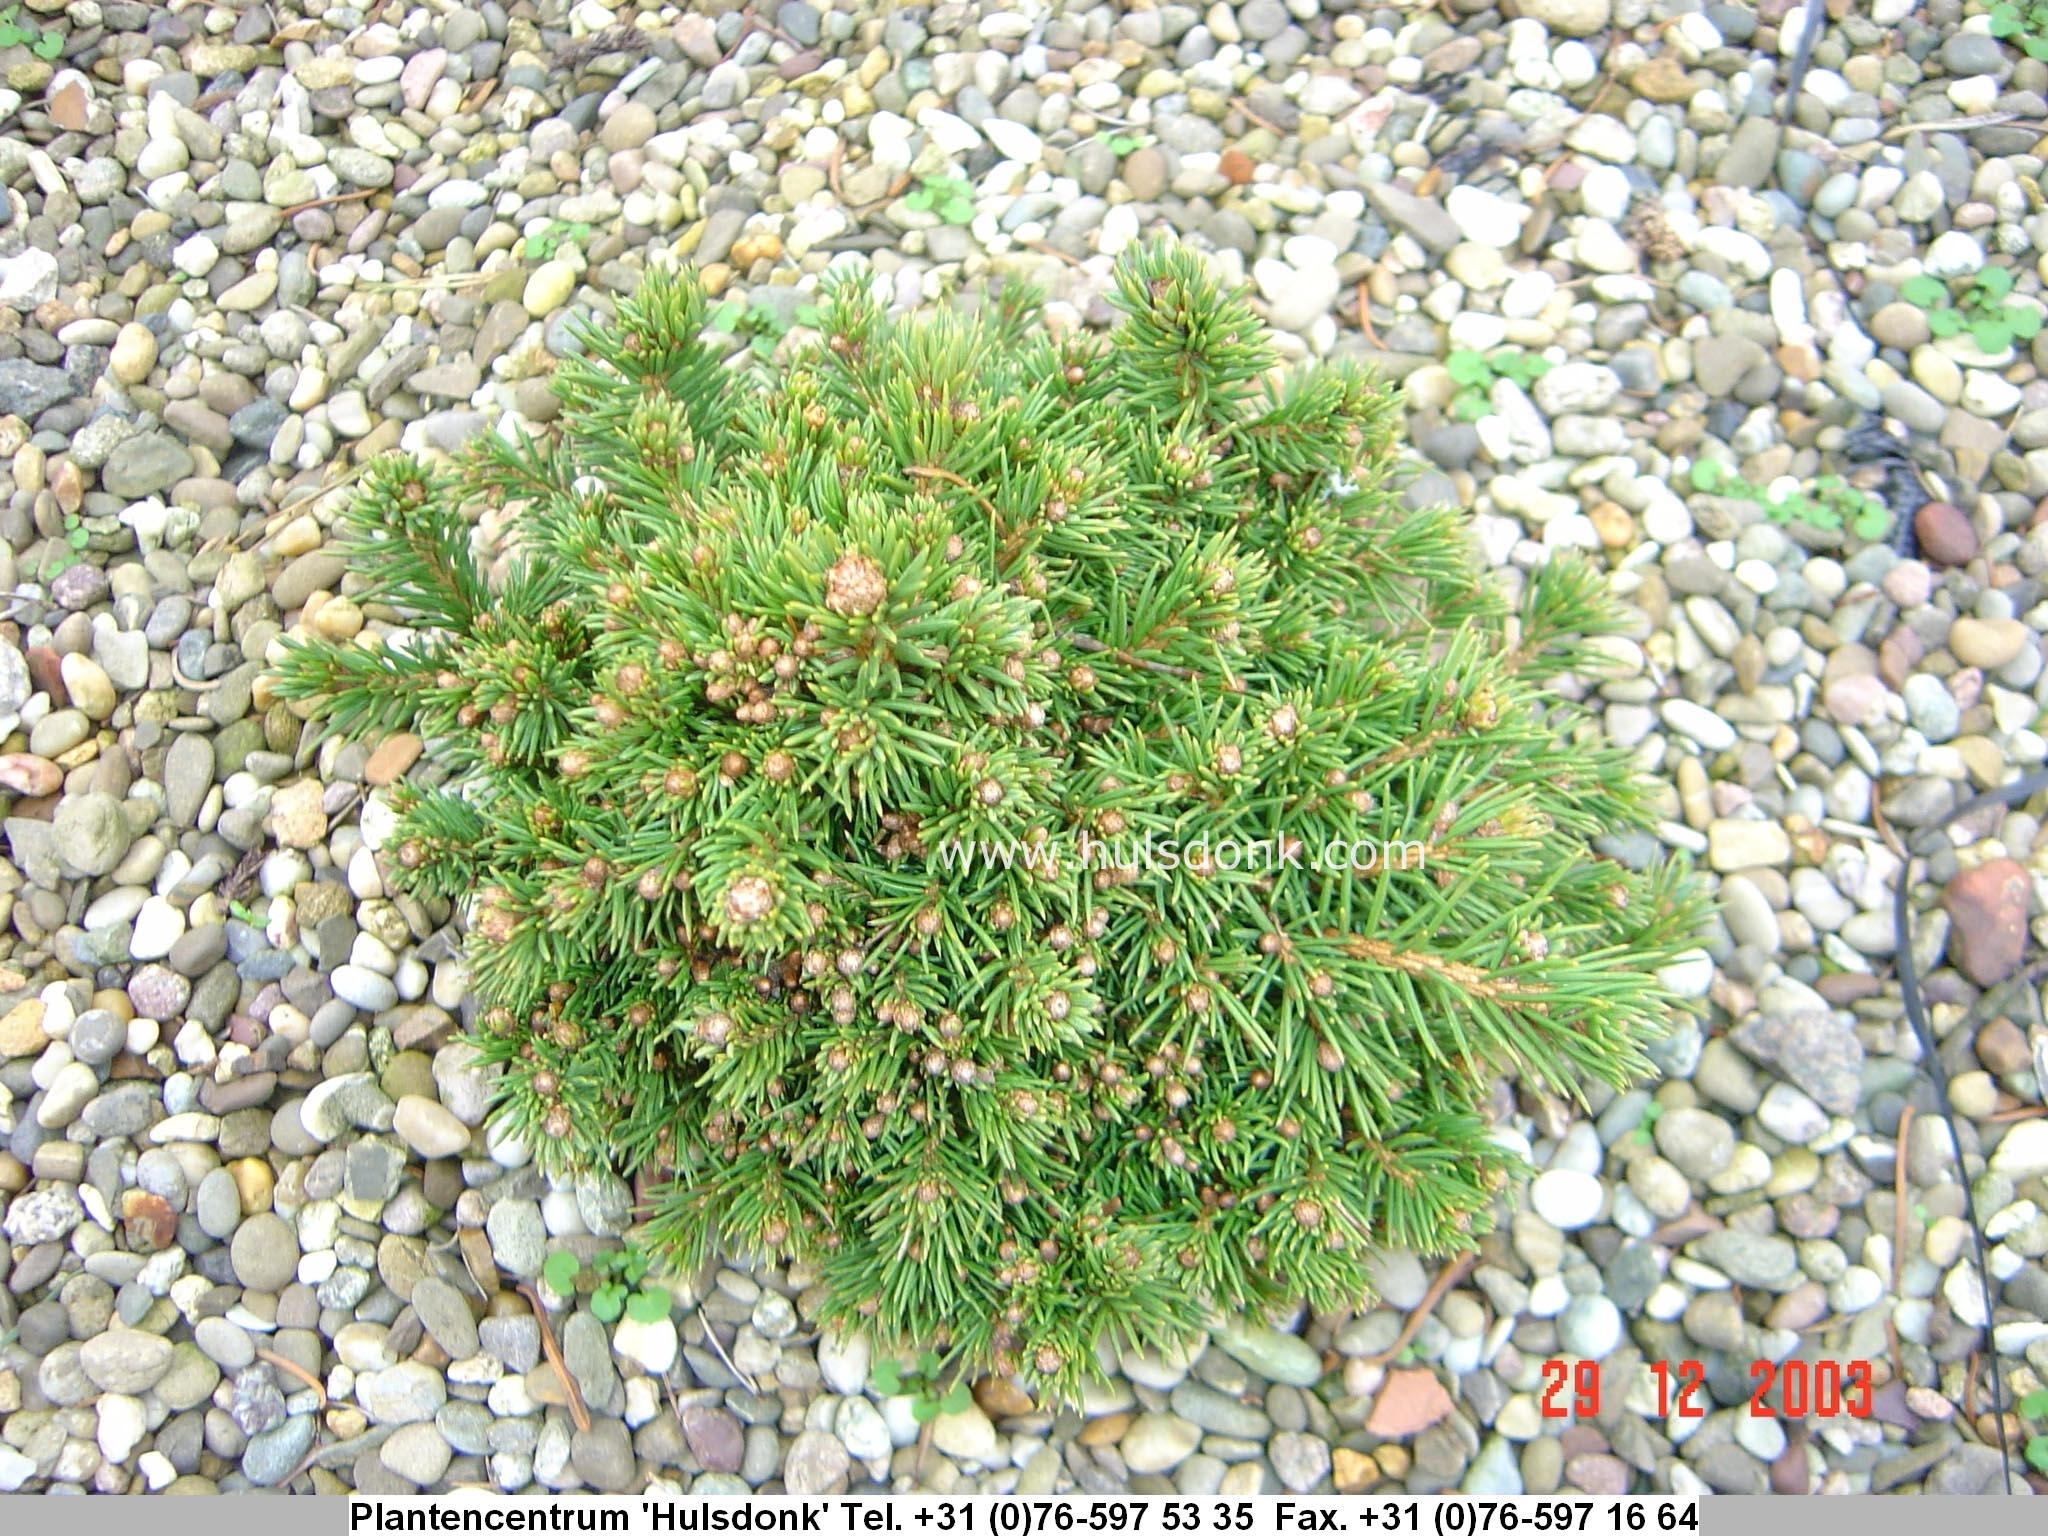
(1822, 1389)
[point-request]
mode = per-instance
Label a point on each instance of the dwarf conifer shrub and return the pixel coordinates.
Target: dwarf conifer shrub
(1030, 825)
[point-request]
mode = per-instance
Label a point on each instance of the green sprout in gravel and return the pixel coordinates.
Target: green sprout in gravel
(76, 537)
(546, 242)
(1119, 144)
(2025, 26)
(13, 30)
(1830, 503)
(761, 324)
(1475, 372)
(1980, 309)
(920, 1381)
(2034, 1409)
(621, 1275)
(1646, 1127)
(951, 198)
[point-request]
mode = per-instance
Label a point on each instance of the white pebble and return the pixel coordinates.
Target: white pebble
(1567, 1198)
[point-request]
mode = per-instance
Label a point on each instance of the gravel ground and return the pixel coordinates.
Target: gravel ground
(257, 1229)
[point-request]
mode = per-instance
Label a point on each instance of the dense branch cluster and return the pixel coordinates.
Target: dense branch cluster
(782, 664)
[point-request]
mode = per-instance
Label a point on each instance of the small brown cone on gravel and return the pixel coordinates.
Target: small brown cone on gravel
(1988, 906)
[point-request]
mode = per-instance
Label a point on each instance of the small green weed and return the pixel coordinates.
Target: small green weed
(621, 1287)
(44, 45)
(1979, 309)
(1475, 372)
(2025, 26)
(1829, 503)
(247, 915)
(762, 325)
(2034, 1409)
(546, 242)
(950, 197)
(76, 537)
(1646, 1128)
(921, 1382)
(1119, 144)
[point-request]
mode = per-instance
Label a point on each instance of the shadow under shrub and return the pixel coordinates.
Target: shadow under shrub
(780, 664)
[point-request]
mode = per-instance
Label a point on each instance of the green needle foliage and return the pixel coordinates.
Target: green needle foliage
(776, 650)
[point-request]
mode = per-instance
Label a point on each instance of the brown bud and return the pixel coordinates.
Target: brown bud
(855, 586)
(749, 899)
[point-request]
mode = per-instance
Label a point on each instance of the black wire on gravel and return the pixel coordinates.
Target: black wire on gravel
(1876, 448)
(2024, 788)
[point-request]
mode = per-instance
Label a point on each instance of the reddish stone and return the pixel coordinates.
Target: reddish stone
(393, 759)
(715, 1438)
(1598, 1474)
(45, 671)
(24, 774)
(1237, 167)
(1408, 1404)
(1988, 908)
(1945, 534)
(151, 1223)
(69, 106)
(1791, 1473)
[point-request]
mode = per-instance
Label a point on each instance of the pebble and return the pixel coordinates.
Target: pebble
(304, 1141)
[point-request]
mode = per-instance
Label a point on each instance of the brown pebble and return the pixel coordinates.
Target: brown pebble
(1001, 1398)
(1988, 906)
(1945, 534)
(22, 773)
(1236, 166)
(2002, 1047)
(392, 760)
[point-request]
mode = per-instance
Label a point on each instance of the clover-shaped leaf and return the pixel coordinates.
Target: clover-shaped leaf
(920, 199)
(2024, 323)
(2035, 1404)
(649, 1305)
(48, 46)
(1995, 282)
(608, 1301)
(886, 1378)
(1707, 475)
(1871, 520)
(560, 1272)
(1992, 335)
(1924, 292)
(1467, 368)
(1944, 322)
